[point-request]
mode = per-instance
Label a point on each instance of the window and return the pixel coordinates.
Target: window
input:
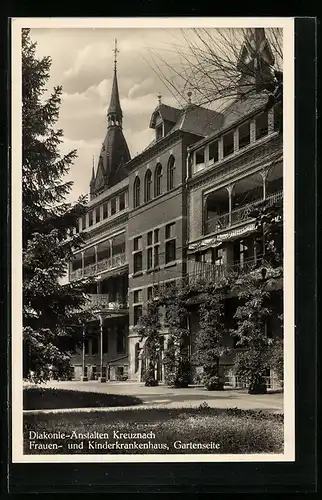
(120, 340)
(170, 173)
(122, 201)
(136, 192)
(90, 218)
(137, 296)
(170, 230)
(244, 135)
(105, 211)
(170, 244)
(147, 186)
(261, 125)
(153, 249)
(213, 152)
(159, 132)
(228, 144)
(113, 206)
(137, 262)
(156, 255)
(84, 222)
(150, 292)
(137, 243)
(77, 226)
(200, 156)
(157, 180)
(97, 214)
(137, 313)
(149, 258)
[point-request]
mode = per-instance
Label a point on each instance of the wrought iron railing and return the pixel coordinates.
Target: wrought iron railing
(205, 272)
(238, 215)
(104, 302)
(99, 267)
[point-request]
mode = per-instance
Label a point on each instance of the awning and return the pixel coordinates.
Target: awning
(216, 241)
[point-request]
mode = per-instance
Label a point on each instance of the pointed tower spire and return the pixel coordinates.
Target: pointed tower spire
(93, 169)
(114, 112)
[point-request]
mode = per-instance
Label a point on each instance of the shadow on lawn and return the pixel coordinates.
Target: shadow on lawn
(39, 398)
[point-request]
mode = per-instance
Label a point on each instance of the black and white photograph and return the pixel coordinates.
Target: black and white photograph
(153, 211)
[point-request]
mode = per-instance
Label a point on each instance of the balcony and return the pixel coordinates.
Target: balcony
(238, 215)
(101, 266)
(103, 303)
(206, 271)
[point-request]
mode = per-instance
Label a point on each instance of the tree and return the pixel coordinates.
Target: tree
(269, 231)
(251, 316)
(208, 346)
(221, 65)
(52, 319)
(148, 328)
(176, 358)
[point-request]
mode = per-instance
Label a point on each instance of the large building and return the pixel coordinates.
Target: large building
(180, 208)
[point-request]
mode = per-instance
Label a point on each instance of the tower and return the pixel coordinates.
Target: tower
(114, 151)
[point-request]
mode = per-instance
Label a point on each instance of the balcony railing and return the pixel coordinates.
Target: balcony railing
(103, 265)
(104, 302)
(238, 215)
(206, 271)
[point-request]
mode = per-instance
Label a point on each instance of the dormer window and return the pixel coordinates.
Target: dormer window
(159, 132)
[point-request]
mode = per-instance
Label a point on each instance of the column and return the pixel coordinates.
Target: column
(95, 254)
(220, 148)
(83, 377)
(252, 131)
(230, 192)
(101, 378)
(83, 262)
(264, 177)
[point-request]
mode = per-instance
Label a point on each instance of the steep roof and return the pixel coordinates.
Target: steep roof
(115, 106)
(167, 113)
(114, 151)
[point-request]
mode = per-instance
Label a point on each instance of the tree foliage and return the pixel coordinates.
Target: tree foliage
(219, 65)
(209, 347)
(51, 318)
(251, 316)
(148, 328)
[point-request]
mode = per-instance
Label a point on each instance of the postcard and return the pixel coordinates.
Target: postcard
(152, 240)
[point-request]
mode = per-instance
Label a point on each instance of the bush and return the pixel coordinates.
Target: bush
(150, 381)
(213, 383)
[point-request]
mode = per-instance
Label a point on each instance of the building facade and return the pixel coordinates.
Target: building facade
(179, 209)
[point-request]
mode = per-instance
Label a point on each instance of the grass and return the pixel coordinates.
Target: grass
(36, 398)
(236, 431)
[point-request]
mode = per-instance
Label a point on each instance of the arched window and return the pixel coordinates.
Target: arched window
(136, 192)
(158, 180)
(170, 173)
(147, 186)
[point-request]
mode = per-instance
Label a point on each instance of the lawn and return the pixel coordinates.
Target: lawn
(35, 398)
(196, 430)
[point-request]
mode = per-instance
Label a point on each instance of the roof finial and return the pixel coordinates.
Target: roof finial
(189, 94)
(115, 50)
(159, 97)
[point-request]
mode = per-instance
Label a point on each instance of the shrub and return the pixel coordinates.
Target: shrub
(213, 383)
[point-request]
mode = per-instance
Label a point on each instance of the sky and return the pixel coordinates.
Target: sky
(82, 62)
